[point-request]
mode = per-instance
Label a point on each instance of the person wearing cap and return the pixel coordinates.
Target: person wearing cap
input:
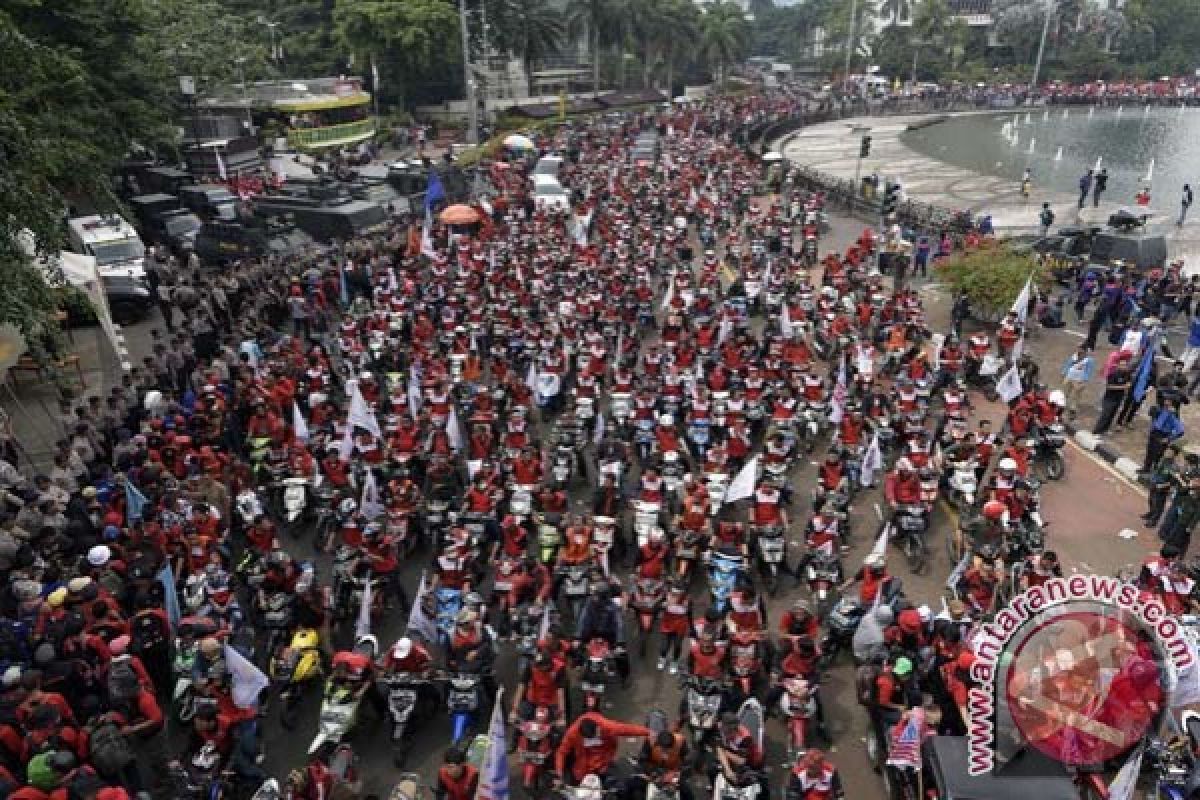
(890, 690)
(590, 745)
(470, 649)
(872, 578)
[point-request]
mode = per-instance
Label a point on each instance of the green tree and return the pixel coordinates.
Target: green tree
(530, 30)
(600, 22)
(406, 40)
(893, 11)
(78, 91)
(724, 37)
(675, 38)
(992, 278)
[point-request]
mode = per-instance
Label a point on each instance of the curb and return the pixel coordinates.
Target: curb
(1091, 443)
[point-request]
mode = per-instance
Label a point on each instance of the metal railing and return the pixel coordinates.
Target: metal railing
(315, 137)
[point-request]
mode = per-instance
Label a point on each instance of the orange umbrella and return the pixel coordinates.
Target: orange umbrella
(459, 215)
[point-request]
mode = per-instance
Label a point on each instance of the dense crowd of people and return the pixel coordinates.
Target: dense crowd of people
(576, 419)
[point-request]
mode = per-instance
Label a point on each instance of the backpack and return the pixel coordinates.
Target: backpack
(123, 683)
(864, 684)
(109, 750)
(38, 773)
(146, 632)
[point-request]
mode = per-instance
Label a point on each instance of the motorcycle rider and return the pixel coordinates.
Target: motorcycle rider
(456, 779)
(814, 777)
(673, 625)
(590, 743)
(354, 671)
(667, 754)
(734, 751)
(542, 683)
(602, 618)
(872, 578)
(407, 656)
(901, 487)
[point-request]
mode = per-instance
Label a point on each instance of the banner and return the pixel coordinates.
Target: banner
(299, 426)
(1009, 387)
(1020, 306)
(135, 502)
(360, 415)
(362, 627)
(171, 597)
(493, 776)
(420, 622)
(247, 680)
(371, 505)
(872, 462)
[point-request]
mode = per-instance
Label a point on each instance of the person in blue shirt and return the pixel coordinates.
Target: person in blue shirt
(1077, 372)
(1166, 427)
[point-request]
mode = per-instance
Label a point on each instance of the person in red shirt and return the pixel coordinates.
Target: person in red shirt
(871, 577)
(542, 683)
(456, 779)
(591, 744)
(814, 777)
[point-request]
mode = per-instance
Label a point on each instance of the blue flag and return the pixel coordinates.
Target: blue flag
(434, 192)
(345, 290)
(167, 578)
(493, 777)
(135, 502)
(1144, 369)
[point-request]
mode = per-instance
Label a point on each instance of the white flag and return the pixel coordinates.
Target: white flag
(453, 432)
(346, 449)
(362, 627)
(872, 462)
(531, 379)
(785, 321)
(414, 392)
(370, 504)
(247, 680)
(838, 405)
(473, 466)
(1009, 386)
(427, 249)
(220, 164)
(598, 437)
(880, 548)
(1018, 348)
(544, 628)
(935, 343)
(724, 329)
(360, 414)
(1125, 782)
(299, 426)
(959, 570)
(742, 486)
(1021, 305)
(419, 621)
(669, 297)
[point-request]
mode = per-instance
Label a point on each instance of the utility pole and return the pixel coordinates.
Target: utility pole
(1037, 67)
(472, 109)
(850, 37)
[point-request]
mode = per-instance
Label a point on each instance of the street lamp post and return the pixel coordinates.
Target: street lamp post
(1037, 67)
(472, 110)
(850, 37)
(241, 65)
(276, 55)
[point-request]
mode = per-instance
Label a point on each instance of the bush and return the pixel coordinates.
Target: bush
(992, 277)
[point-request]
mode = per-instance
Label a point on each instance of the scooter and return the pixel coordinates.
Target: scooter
(403, 693)
(1047, 453)
(798, 703)
(597, 674)
(295, 501)
(464, 698)
(824, 575)
(339, 708)
(575, 587)
(911, 524)
(449, 603)
(702, 699)
(293, 667)
(771, 549)
(963, 485)
(724, 568)
(535, 749)
(646, 600)
(841, 624)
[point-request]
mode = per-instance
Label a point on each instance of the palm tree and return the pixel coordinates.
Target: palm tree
(724, 36)
(598, 21)
(534, 30)
(677, 35)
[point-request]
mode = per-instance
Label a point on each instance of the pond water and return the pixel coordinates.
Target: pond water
(1127, 142)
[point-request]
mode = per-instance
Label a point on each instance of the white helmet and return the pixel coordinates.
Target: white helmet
(402, 648)
(1008, 465)
(666, 420)
(99, 555)
(903, 464)
(1057, 398)
(874, 560)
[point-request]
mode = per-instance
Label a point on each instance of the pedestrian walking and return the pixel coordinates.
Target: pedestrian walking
(1046, 218)
(1116, 388)
(1164, 478)
(1085, 187)
(921, 255)
(1185, 202)
(1026, 184)
(1181, 517)
(1099, 187)
(1077, 372)
(1166, 427)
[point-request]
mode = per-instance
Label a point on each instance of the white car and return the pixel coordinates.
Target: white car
(549, 193)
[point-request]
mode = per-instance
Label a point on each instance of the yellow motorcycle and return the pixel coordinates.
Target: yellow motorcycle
(293, 667)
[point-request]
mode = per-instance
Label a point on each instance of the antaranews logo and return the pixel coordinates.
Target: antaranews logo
(1078, 668)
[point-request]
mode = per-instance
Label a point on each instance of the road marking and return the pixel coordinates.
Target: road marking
(1137, 487)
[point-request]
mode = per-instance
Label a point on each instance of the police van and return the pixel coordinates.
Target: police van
(112, 241)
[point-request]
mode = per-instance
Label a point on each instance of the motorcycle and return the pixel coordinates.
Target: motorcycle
(597, 673)
(535, 750)
(772, 546)
(403, 694)
(294, 666)
(1047, 453)
(645, 601)
(716, 483)
(464, 698)
(911, 524)
(575, 588)
(840, 625)
(187, 646)
(798, 703)
(340, 704)
(963, 485)
(699, 435)
(824, 575)
(703, 698)
(295, 501)
(202, 777)
(449, 603)
(724, 569)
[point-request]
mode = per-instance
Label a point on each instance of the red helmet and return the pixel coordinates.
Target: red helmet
(993, 510)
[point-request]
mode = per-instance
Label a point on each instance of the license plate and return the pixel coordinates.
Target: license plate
(503, 586)
(911, 524)
(594, 688)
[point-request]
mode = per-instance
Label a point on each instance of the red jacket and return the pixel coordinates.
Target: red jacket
(462, 788)
(593, 756)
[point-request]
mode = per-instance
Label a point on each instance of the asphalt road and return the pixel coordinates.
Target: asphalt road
(1085, 512)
